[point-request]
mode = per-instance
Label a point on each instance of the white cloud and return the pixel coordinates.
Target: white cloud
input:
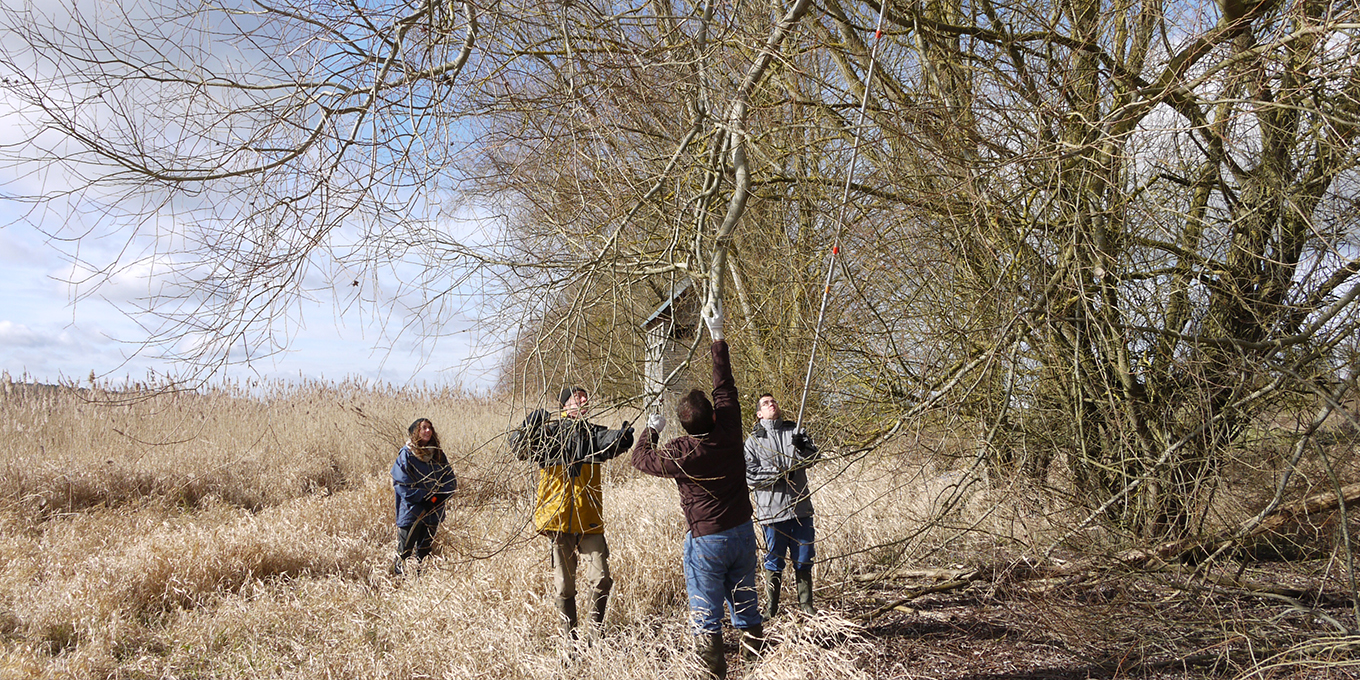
(18, 335)
(48, 352)
(61, 318)
(17, 252)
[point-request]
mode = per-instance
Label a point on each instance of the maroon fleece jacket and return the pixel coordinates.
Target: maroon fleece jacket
(710, 469)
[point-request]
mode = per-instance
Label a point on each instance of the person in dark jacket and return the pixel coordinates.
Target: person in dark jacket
(709, 470)
(422, 481)
(778, 453)
(569, 507)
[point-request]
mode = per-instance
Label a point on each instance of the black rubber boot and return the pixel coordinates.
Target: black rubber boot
(566, 610)
(752, 642)
(803, 577)
(773, 582)
(399, 564)
(597, 608)
(711, 651)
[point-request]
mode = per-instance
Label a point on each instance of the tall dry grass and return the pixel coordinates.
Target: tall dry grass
(236, 535)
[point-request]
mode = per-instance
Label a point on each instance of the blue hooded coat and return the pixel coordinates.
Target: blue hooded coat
(416, 483)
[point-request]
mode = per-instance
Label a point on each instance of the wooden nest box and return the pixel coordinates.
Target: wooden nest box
(670, 330)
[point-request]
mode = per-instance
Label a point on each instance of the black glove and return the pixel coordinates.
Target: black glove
(801, 441)
(527, 440)
(536, 419)
(623, 443)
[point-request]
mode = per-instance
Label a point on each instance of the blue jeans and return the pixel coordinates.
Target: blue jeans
(721, 568)
(796, 537)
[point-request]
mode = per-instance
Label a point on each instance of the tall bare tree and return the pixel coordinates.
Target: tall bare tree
(248, 146)
(1109, 236)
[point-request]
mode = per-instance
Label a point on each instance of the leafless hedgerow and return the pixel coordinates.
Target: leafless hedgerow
(142, 582)
(1095, 256)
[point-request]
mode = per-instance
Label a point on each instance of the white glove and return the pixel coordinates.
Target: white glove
(713, 318)
(657, 422)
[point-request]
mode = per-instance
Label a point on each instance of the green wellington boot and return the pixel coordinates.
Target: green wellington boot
(803, 577)
(752, 642)
(711, 651)
(773, 582)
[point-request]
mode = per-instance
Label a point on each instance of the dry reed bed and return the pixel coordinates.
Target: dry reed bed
(276, 564)
(65, 451)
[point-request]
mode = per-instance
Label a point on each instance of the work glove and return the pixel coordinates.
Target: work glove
(713, 318)
(536, 419)
(802, 441)
(657, 422)
(626, 435)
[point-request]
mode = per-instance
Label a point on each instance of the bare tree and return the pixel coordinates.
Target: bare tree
(1111, 236)
(1155, 233)
(248, 146)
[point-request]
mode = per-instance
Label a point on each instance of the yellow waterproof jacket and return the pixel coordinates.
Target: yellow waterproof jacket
(568, 452)
(569, 504)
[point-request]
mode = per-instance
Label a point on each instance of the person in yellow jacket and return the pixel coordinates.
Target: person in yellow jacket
(569, 507)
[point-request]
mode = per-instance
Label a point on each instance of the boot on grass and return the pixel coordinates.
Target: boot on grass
(803, 577)
(752, 642)
(566, 611)
(711, 652)
(773, 582)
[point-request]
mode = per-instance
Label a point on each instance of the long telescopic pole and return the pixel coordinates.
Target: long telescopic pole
(840, 214)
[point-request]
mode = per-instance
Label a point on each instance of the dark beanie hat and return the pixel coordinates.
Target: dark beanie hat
(416, 423)
(566, 394)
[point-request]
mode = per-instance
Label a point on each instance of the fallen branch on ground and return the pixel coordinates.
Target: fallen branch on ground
(955, 584)
(1277, 523)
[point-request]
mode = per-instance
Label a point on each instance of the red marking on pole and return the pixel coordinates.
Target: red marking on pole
(835, 250)
(878, 34)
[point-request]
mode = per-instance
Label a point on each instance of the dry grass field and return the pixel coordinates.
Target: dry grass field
(235, 535)
(223, 535)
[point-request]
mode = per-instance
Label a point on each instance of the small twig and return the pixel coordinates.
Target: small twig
(956, 584)
(892, 574)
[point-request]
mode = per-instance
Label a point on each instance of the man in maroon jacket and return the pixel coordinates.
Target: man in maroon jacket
(709, 468)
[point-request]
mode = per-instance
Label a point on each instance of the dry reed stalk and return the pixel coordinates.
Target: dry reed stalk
(236, 536)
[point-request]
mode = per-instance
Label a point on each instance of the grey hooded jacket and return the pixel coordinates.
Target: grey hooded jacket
(776, 471)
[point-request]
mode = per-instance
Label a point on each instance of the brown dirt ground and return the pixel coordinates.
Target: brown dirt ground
(1146, 625)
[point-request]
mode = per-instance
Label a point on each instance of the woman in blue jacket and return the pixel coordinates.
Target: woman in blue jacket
(422, 481)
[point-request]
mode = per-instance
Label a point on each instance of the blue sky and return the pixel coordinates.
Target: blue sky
(48, 335)
(51, 329)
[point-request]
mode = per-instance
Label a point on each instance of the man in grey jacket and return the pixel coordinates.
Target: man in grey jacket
(778, 453)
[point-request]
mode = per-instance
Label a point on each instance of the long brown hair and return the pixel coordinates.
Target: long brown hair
(430, 452)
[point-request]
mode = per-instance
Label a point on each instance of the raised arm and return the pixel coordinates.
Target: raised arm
(529, 441)
(608, 444)
(657, 461)
(805, 450)
(726, 405)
